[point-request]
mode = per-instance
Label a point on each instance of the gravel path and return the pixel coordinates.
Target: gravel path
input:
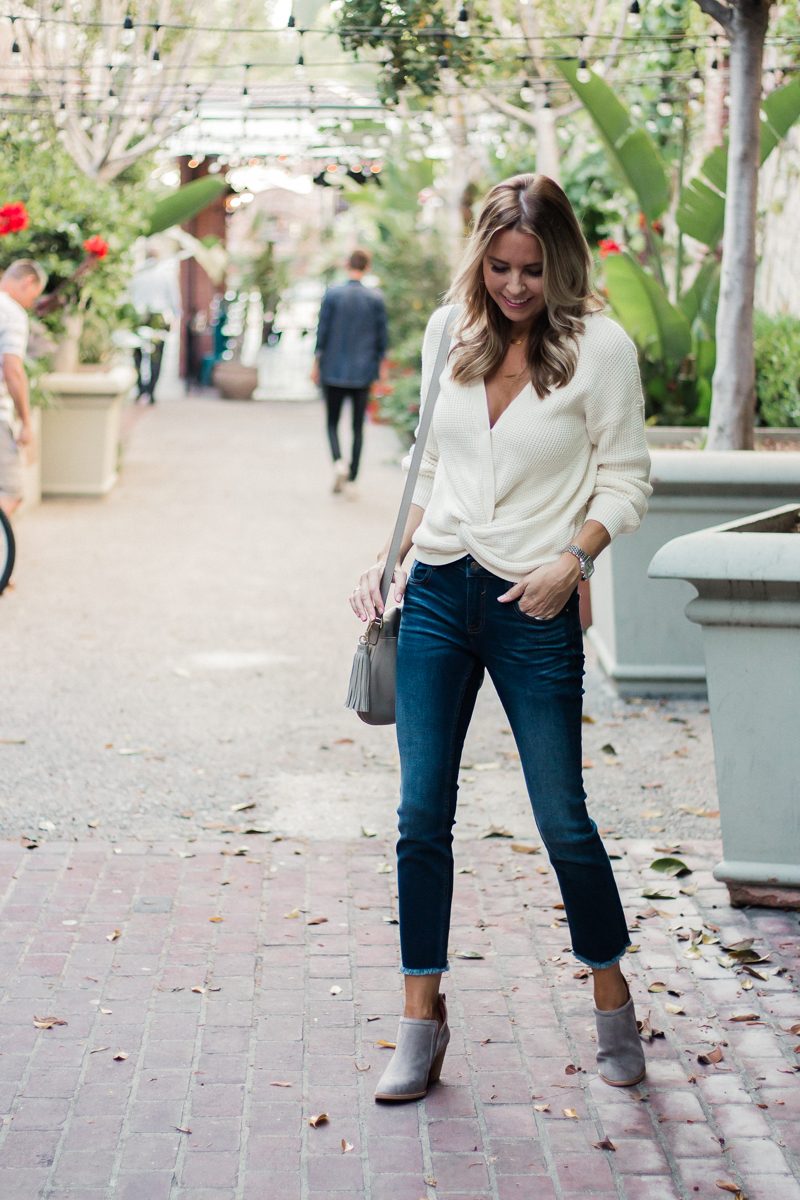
(182, 647)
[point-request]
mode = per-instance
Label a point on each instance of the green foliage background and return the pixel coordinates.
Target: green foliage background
(65, 208)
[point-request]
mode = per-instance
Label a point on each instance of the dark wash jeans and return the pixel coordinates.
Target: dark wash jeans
(453, 628)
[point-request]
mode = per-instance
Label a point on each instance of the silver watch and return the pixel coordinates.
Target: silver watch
(587, 564)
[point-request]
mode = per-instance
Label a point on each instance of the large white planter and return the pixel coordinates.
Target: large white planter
(80, 433)
(643, 641)
(747, 577)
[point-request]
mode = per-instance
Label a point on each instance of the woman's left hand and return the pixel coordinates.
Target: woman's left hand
(544, 592)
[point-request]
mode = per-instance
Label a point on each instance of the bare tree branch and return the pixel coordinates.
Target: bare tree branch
(720, 12)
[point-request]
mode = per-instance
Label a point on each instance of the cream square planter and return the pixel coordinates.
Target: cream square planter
(80, 433)
(746, 575)
(643, 641)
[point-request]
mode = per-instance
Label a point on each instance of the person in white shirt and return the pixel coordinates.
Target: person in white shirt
(535, 460)
(20, 287)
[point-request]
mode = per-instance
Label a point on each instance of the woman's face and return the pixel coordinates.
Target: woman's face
(512, 272)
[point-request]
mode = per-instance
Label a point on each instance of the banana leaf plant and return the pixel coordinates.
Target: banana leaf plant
(675, 335)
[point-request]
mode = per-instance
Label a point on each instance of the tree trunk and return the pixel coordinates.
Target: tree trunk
(733, 404)
(548, 158)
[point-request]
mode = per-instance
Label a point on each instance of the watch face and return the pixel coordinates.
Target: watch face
(588, 568)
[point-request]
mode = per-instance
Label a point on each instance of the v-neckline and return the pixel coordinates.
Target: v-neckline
(510, 404)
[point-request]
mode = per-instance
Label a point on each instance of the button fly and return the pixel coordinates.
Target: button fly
(474, 567)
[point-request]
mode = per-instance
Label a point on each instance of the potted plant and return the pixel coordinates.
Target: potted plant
(672, 314)
(747, 578)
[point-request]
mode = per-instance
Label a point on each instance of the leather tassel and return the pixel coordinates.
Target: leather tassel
(358, 691)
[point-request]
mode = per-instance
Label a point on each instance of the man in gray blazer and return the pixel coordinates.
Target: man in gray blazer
(350, 356)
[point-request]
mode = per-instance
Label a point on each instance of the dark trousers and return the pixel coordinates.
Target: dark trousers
(334, 399)
(148, 380)
(454, 629)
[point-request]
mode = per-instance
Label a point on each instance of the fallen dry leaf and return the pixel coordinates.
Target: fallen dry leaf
(317, 921)
(216, 920)
(319, 1119)
(120, 1056)
(368, 833)
(541, 1108)
(279, 1083)
(106, 1011)
(386, 1045)
(605, 1144)
(520, 848)
(335, 990)
(744, 1017)
(48, 1022)
(112, 937)
(571, 1113)
(183, 1129)
(497, 831)
(468, 954)
(290, 916)
(99, 1049)
(762, 975)
(384, 868)
(675, 1009)
(362, 1067)
(733, 1188)
(648, 1030)
(200, 990)
(657, 987)
(713, 1056)
(244, 806)
(346, 1146)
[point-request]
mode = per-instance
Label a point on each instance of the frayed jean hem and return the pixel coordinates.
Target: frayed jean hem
(601, 966)
(425, 970)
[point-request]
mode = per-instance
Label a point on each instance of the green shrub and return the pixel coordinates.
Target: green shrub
(777, 350)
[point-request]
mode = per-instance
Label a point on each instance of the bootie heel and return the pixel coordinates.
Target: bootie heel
(418, 1057)
(620, 1056)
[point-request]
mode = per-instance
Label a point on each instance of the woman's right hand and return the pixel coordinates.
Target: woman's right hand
(365, 598)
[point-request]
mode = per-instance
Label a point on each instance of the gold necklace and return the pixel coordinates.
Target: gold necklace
(517, 341)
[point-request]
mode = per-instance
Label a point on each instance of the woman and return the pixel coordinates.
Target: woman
(536, 458)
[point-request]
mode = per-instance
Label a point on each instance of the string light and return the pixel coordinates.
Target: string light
(388, 33)
(584, 74)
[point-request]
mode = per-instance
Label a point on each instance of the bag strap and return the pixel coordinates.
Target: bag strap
(416, 458)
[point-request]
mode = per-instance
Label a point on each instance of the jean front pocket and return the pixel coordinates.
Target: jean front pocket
(530, 619)
(420, 573)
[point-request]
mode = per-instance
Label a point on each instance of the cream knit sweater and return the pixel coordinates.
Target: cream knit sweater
(514, 496)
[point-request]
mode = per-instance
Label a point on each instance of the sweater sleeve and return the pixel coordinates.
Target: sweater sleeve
(430, 456)
(615, 422)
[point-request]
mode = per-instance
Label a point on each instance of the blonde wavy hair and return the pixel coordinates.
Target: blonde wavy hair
(536, 205)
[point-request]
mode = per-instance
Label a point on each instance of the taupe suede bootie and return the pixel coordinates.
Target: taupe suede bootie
(620, 1056)
(418, 1057)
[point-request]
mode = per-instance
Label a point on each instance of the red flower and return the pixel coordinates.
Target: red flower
(96, 246)
(13, 218)
(607, 246)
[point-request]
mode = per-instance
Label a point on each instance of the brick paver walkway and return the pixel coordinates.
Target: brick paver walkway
(214, 1002)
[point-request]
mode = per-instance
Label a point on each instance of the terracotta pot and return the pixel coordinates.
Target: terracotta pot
(235, 381)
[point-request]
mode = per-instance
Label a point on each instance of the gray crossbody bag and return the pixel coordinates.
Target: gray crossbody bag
(374, 674)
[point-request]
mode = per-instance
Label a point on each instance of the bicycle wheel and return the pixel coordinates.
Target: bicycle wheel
(8, 550)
